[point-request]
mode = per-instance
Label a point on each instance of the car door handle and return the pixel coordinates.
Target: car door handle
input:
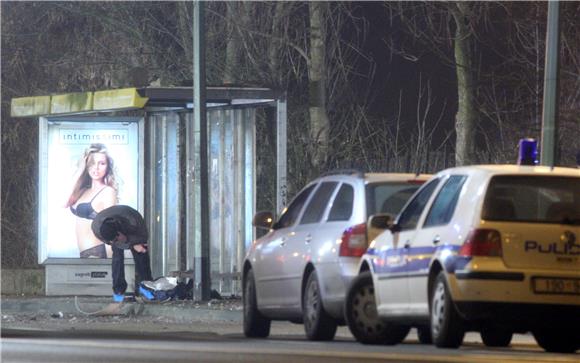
(308, 239)
(436, 240)
(283, 241)
(407, 244)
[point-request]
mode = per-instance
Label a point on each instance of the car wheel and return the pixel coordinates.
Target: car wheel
(362, 317)
(496, 337)
(559, 340)
(255, 324)
(424, 335)
(318, 325)
(446, 324)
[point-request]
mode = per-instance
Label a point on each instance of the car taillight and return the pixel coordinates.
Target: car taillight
(482, 242)
(354, 241)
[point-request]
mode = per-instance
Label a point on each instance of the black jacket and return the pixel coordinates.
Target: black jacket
(131, 224)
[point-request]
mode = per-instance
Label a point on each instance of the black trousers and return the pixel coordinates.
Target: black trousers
(142, 269)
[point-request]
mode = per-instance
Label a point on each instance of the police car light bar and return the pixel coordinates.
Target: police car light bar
(528, 152)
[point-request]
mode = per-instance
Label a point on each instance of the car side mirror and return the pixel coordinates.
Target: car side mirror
(377, 224)
(381, 221)
(263, 220)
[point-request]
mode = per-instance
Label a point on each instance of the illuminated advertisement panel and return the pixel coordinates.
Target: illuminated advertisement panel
(85, 166)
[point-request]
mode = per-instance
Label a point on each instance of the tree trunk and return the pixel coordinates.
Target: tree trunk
(274, 46)
(233, 10)
(185, 29)
(319, 125)
(466, 113)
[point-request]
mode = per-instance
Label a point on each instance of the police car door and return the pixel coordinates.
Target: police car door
(435, 232)
(393, 293)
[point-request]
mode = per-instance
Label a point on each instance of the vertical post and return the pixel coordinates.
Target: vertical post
(249, 120)
(281, 187)
(191, 219)
(200, 117)
(151, 204)
(550, 110)
(221, 187)
(162, 223)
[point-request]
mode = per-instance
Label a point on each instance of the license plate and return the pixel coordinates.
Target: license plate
(562, 286)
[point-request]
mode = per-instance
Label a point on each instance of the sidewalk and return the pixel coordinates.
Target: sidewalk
(70, 315)
(187, 310)
(224, 317)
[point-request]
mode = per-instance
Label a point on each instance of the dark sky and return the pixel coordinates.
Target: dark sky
(394, 74)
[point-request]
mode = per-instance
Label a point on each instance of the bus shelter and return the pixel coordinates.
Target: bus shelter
(151, 135)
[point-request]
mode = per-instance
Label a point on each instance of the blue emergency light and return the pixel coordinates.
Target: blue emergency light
(528, 152)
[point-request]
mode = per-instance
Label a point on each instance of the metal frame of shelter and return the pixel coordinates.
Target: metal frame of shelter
(231, 117)
(171, 165)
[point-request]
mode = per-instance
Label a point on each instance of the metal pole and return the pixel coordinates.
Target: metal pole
(550, 110)
(200, 117)
(281, 139)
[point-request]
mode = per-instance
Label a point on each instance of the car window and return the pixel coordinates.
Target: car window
(540, 199)
(291, 213)
(342, 205)
(388, 197)
(318, 202)
(410, 215)
(444, 205)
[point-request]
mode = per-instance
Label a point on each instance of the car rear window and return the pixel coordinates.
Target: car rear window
(342, 205)
(318, 203)
(444, 205)
(388, 197)
(530, 198)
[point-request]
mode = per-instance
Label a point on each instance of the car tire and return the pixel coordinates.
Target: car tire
(318, 325)
(496, 337)
(255, 324)
(362, 318)
(558, 340)
(424, 335)
(446, 325)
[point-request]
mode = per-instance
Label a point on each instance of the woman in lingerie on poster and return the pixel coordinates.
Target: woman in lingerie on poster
(94, 189)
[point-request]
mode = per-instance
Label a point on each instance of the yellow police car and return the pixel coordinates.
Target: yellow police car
(488, 248)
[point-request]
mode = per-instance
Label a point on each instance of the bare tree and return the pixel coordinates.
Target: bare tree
(447, 30)
(466, 111)
(314, 53)
(319, 124)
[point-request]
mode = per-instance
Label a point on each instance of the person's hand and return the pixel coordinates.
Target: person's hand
(140, 248)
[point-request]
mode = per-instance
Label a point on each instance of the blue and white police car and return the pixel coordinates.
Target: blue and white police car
(489, 248)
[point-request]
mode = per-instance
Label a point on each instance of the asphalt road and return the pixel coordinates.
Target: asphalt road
(66, 330)
(174, 346)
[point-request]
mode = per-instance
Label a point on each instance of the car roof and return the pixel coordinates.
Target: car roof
(378, 177)
(375, 177)
(512, 169)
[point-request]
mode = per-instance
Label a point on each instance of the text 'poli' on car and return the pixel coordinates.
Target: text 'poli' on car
(300, 269)
(493, 249)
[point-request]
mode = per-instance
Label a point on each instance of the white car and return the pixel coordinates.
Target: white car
(300, 269)
(490, 248)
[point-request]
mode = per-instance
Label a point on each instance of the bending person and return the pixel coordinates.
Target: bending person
(94, 190)
(124, 228)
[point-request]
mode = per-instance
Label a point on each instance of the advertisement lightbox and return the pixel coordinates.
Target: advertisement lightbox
(86, 164)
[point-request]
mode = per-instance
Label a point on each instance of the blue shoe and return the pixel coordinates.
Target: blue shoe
(146, 293)
(118, 297)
